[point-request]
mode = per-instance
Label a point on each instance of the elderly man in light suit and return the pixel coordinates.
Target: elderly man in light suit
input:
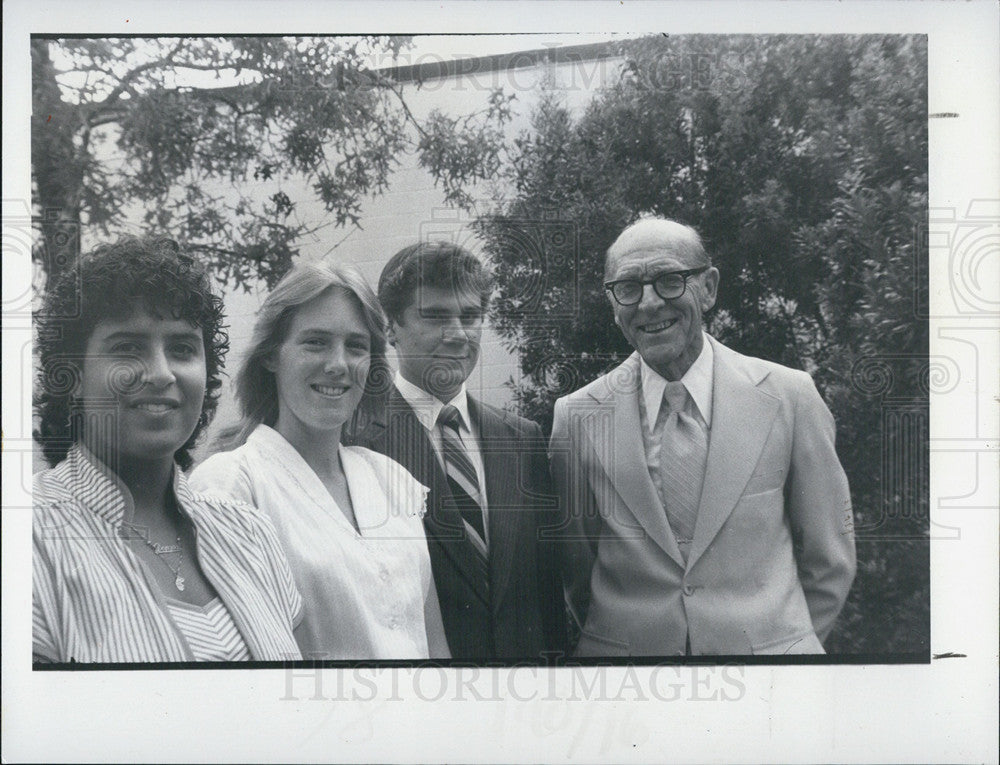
(707, 510)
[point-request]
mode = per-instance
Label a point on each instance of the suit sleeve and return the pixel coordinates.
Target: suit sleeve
(579, 526)
(819, 507)
(437, 640)
(550, 591)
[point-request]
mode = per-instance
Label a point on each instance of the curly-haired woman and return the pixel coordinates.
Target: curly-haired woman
(130, 564)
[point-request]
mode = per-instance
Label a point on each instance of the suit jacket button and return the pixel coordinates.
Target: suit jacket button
(688, 590)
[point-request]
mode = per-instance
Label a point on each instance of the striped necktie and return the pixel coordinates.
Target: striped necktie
(462, 478)
(683, 453)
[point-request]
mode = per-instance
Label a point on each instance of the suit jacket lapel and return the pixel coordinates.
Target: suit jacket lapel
(616, 437)
(499, 448)
(741, 420)
(407, 442)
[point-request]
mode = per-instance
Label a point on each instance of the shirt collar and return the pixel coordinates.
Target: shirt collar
(697, 380)
(427, 407)
(97, 486)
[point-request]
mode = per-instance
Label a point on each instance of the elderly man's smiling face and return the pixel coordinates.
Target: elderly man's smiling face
(666, 332)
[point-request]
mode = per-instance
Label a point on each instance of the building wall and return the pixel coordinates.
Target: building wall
(414, 209)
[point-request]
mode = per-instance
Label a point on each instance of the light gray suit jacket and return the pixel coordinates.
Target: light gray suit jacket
(772, 557)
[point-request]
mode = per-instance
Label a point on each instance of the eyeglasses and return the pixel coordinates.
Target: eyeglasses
(669, 286)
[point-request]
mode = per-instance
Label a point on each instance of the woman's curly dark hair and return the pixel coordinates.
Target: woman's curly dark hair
(116, 281)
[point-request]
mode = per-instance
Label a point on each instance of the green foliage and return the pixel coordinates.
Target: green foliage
(802, 160)
(203, 135)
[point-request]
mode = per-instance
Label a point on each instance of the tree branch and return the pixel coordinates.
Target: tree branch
(127, 78)
(385, 82)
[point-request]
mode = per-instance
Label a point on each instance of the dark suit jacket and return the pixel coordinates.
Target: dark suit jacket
(522, 614)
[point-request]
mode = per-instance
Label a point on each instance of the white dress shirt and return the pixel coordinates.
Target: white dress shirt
(427, 408)
(697, 380)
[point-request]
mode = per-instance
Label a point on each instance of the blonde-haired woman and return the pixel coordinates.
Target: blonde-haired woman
(349, 518)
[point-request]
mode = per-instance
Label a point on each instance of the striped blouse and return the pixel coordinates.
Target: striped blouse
(209, 631)
(93, 600)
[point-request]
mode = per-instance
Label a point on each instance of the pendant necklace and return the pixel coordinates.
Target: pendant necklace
(161, 550)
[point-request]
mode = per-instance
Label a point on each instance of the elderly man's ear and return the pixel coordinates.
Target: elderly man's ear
(711, 289)
(390, 333)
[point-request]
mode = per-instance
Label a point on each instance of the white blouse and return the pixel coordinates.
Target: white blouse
(368, 594)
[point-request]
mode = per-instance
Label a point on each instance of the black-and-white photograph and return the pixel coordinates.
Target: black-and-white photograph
(602, 358)
(545, 236)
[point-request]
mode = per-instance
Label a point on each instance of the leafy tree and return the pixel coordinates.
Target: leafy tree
(118, 126)
(802, 160)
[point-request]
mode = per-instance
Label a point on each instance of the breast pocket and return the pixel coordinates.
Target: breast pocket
(765, 481)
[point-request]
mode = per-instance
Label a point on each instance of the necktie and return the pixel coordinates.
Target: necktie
(683, 451)
(462, 478)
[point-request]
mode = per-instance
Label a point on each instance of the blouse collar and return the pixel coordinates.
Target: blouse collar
(98, 487)
(376, 495)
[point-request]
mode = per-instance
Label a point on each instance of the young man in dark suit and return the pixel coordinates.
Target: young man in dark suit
(486, 469)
